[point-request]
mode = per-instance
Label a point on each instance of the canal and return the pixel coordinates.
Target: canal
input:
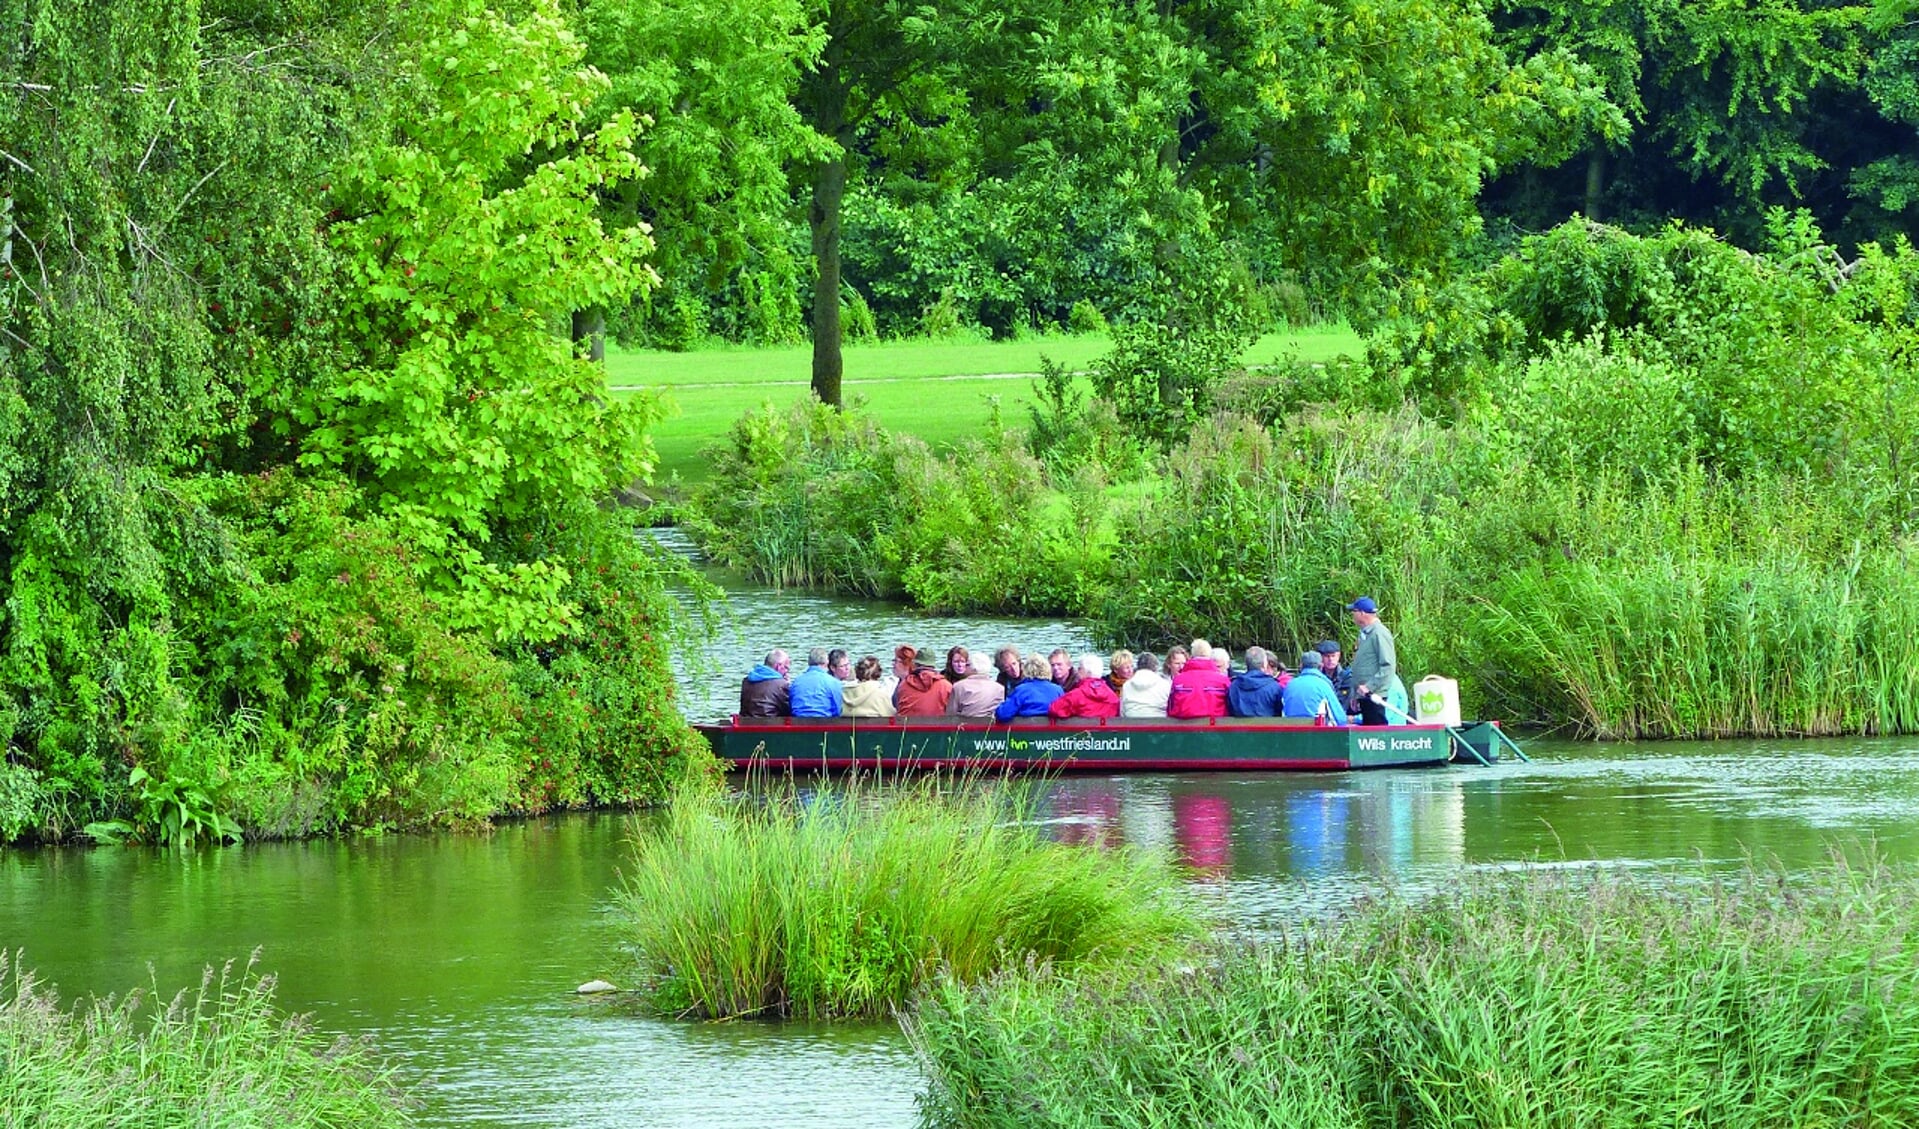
(457, 953)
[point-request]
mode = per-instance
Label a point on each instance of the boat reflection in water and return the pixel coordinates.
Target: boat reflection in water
(1232, 828)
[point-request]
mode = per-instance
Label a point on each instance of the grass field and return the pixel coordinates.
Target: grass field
(941, 391)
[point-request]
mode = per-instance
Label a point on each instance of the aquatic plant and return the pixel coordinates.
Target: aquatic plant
(220, 1054)
(841, 900)
(1541, 998)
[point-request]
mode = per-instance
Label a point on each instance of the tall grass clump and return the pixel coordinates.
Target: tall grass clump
(1540, 999)
(841, 901)
(217, 1055)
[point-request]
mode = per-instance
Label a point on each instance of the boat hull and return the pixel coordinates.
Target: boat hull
(1093, 745)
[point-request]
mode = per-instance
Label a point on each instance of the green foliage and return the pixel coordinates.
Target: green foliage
(262, 233)
(842, 901)
(822, 498)
(856, 318)
(19, 801)
(459, 407)
(1085, 317)
(219, 1054)
(1074, 433)
(715, 82)
(1625, 599)
(1160, 378)
(1547, 997)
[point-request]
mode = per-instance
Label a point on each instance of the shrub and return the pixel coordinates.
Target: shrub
(856, 318)
(220, 1054)
(1085, 318)
(1160, 378)
(1548, 997)
(817, 497)
(841, 900)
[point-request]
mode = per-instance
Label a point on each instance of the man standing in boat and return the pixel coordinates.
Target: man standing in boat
(1375, 664)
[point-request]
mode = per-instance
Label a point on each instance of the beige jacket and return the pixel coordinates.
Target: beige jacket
(976, 695)
(868, 699)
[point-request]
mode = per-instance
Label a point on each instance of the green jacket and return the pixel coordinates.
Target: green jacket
(1375, 662)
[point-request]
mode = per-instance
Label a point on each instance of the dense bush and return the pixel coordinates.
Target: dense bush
(1545, 998)
(218, 1055)
(812, 496)
(299, 477)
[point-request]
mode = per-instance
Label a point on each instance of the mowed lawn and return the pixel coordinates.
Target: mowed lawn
(942, 391)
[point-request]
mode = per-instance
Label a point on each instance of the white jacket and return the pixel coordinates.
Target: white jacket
(1144, 694)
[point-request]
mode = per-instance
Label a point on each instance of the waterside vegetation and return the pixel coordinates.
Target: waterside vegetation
(301, 478)
(1542, 997)
(220, 1054)
(1641, 486)
(842, 900)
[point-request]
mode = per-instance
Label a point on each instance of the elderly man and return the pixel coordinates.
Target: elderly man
(816, 693)
(1091, 696)
(765, 692)
(978, 693)
(1339, 676)
(1311, 692)
(1375, 665)
(1254, 692)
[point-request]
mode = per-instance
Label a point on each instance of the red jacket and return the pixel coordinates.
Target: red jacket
(923, 693)
(1199, 690)
(1091, 698)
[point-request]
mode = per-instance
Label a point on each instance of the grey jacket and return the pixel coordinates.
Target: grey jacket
(1375, 662)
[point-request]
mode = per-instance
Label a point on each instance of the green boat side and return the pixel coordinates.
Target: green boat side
(1095, 744)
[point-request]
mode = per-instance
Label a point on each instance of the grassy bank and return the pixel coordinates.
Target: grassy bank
(940, 391)
(217, 1055)
(842, 900)
(1540, 999)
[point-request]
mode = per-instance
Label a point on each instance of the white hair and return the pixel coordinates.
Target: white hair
(1201, 649)
(1090, 666)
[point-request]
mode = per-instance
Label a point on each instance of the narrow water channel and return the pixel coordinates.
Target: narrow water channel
(458, 953)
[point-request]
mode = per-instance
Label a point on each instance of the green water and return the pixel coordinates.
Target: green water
(458, 954)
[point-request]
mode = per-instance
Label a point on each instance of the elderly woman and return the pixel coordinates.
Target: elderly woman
(868, 696)
(1033, 694)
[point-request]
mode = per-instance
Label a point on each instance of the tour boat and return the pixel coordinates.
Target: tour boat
(1119, 744)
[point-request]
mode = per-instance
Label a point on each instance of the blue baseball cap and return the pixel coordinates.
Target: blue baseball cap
(1363, 604)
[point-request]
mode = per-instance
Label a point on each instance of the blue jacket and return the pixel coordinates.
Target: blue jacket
(817, 693)
(1304, 693)
(1254, 693)
(1029, 698)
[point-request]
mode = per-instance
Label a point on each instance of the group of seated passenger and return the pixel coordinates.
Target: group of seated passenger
(1192, 682)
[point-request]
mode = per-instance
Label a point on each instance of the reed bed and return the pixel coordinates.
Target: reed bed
(1541, 999)
(841, 901)
(216, 1056)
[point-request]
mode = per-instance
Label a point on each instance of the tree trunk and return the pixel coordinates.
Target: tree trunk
(829, 364)
(589, 327)
(1596, 184)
